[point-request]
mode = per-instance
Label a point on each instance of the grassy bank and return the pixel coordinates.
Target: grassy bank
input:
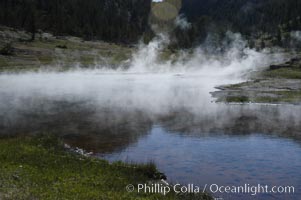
(18, 53)
(40, 168)
(278, 84)
(288, 73)
(56, 52)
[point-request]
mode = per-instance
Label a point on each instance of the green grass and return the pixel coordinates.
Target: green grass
(237, 86)
(39, 53)
(269, 79)
(282, 96)
(45, 59)
(40, 168)
(290, 73)
(279, 96)
(55, 43)
(3, 62)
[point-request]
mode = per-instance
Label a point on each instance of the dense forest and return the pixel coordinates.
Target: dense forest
(109, 20)
(247, 15)
(126, 21)
(272, 19)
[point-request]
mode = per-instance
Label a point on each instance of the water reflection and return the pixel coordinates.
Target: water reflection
(238, 120)
(78, 122)
(85, 124)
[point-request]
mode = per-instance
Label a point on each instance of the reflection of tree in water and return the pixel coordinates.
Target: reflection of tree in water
(78, 122)
(237, 120)
(105, 129)
(111, 130)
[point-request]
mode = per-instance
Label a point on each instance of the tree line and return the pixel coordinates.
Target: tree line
(252, 18)
(110, 20)
(125, 21)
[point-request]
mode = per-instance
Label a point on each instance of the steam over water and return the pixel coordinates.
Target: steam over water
(157, 110)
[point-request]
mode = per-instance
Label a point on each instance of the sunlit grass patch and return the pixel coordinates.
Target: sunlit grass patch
(290, 73)
(282, 96)
(40, 168)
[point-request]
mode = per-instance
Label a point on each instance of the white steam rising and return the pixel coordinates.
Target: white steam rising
(182, 22)
(151, 85)
(296, 35)
(150, 81)
(232, 59)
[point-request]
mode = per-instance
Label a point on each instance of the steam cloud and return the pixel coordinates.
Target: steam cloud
(151, 85)
(182, 22)
(296, 35)
(232, 58)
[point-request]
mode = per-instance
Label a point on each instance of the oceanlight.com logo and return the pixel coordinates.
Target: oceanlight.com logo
(253, 190)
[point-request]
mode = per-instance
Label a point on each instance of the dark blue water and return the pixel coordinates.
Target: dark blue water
(224, 160)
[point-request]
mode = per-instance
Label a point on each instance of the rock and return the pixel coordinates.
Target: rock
(159, 176)
(78, 151)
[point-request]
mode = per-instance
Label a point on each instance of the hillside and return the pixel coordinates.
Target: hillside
(267, 23)
(252, 18)
(115, 21)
